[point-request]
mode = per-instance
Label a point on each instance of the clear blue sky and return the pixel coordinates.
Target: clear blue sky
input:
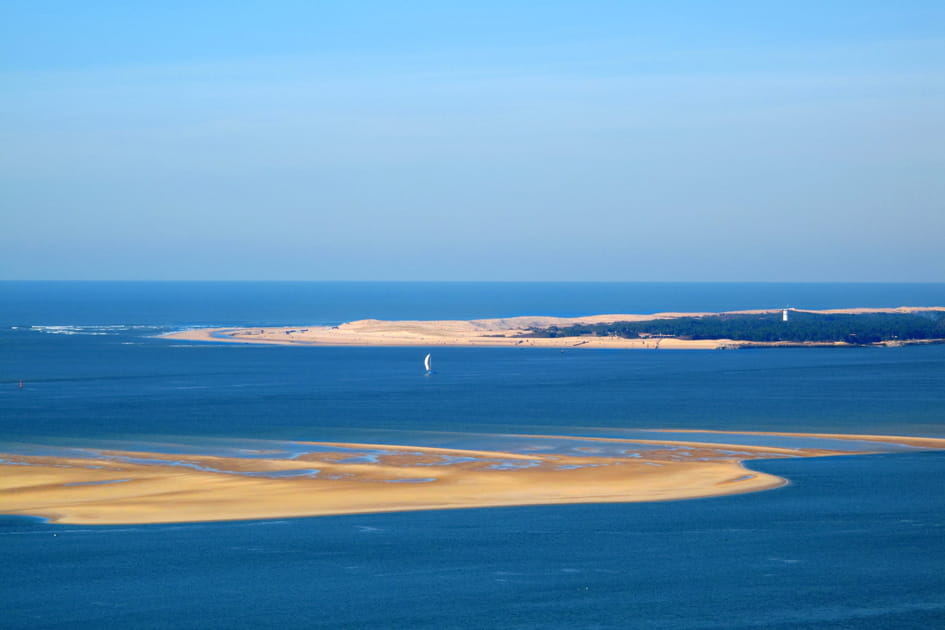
(478, 140)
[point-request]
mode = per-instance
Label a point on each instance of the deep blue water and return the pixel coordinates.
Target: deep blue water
(854, 542)
(289, 303)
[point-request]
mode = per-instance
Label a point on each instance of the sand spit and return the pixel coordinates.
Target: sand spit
(506, 332)
(95, 486)
(901, 440)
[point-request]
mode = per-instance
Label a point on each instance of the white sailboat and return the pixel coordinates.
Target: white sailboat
(426, 363)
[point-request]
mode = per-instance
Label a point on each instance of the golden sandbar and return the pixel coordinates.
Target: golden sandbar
(118, 487)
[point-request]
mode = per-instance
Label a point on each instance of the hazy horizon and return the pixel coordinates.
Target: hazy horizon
(598, 141)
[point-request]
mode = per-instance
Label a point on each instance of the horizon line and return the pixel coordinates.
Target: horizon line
(322, 281)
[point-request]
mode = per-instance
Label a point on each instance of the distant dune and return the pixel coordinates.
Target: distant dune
(507, 332)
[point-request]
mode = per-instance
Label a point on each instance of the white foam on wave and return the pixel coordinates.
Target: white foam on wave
(90, 329)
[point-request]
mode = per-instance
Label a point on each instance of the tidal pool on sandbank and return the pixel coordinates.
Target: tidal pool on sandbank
(234, 479)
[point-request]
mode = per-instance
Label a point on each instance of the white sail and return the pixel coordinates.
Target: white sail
(426, 362)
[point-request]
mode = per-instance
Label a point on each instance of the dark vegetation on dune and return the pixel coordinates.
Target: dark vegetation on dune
(801, 327)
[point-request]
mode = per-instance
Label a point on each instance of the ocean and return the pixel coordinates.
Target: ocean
(852, 542)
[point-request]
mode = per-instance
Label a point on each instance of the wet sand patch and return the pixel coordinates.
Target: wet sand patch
(294, 479)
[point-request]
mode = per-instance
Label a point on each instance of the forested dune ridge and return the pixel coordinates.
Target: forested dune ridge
(770, 327)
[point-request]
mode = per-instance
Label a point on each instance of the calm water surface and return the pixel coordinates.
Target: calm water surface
(853, 542)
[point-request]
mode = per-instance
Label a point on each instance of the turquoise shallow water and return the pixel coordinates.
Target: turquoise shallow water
(853, 542)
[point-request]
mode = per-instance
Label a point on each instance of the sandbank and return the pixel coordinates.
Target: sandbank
(95, 486)
(502, 332)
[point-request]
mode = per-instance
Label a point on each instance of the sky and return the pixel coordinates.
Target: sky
(584, 140)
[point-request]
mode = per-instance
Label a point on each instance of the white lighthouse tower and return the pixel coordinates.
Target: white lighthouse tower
(784, 315)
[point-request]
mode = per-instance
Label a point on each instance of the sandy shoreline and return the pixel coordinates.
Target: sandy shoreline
(505, 332)
(96, 486)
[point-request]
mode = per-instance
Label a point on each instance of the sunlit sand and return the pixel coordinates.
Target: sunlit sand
(114, 486)
(506, 332)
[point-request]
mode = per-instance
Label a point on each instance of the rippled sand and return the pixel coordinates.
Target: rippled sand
(160, 484)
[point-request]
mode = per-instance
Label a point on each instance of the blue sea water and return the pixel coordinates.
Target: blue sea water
(853, 542)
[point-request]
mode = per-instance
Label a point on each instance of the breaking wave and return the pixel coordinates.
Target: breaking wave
(111, 329)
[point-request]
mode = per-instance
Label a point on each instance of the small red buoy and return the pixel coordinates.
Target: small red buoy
(21, 384)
